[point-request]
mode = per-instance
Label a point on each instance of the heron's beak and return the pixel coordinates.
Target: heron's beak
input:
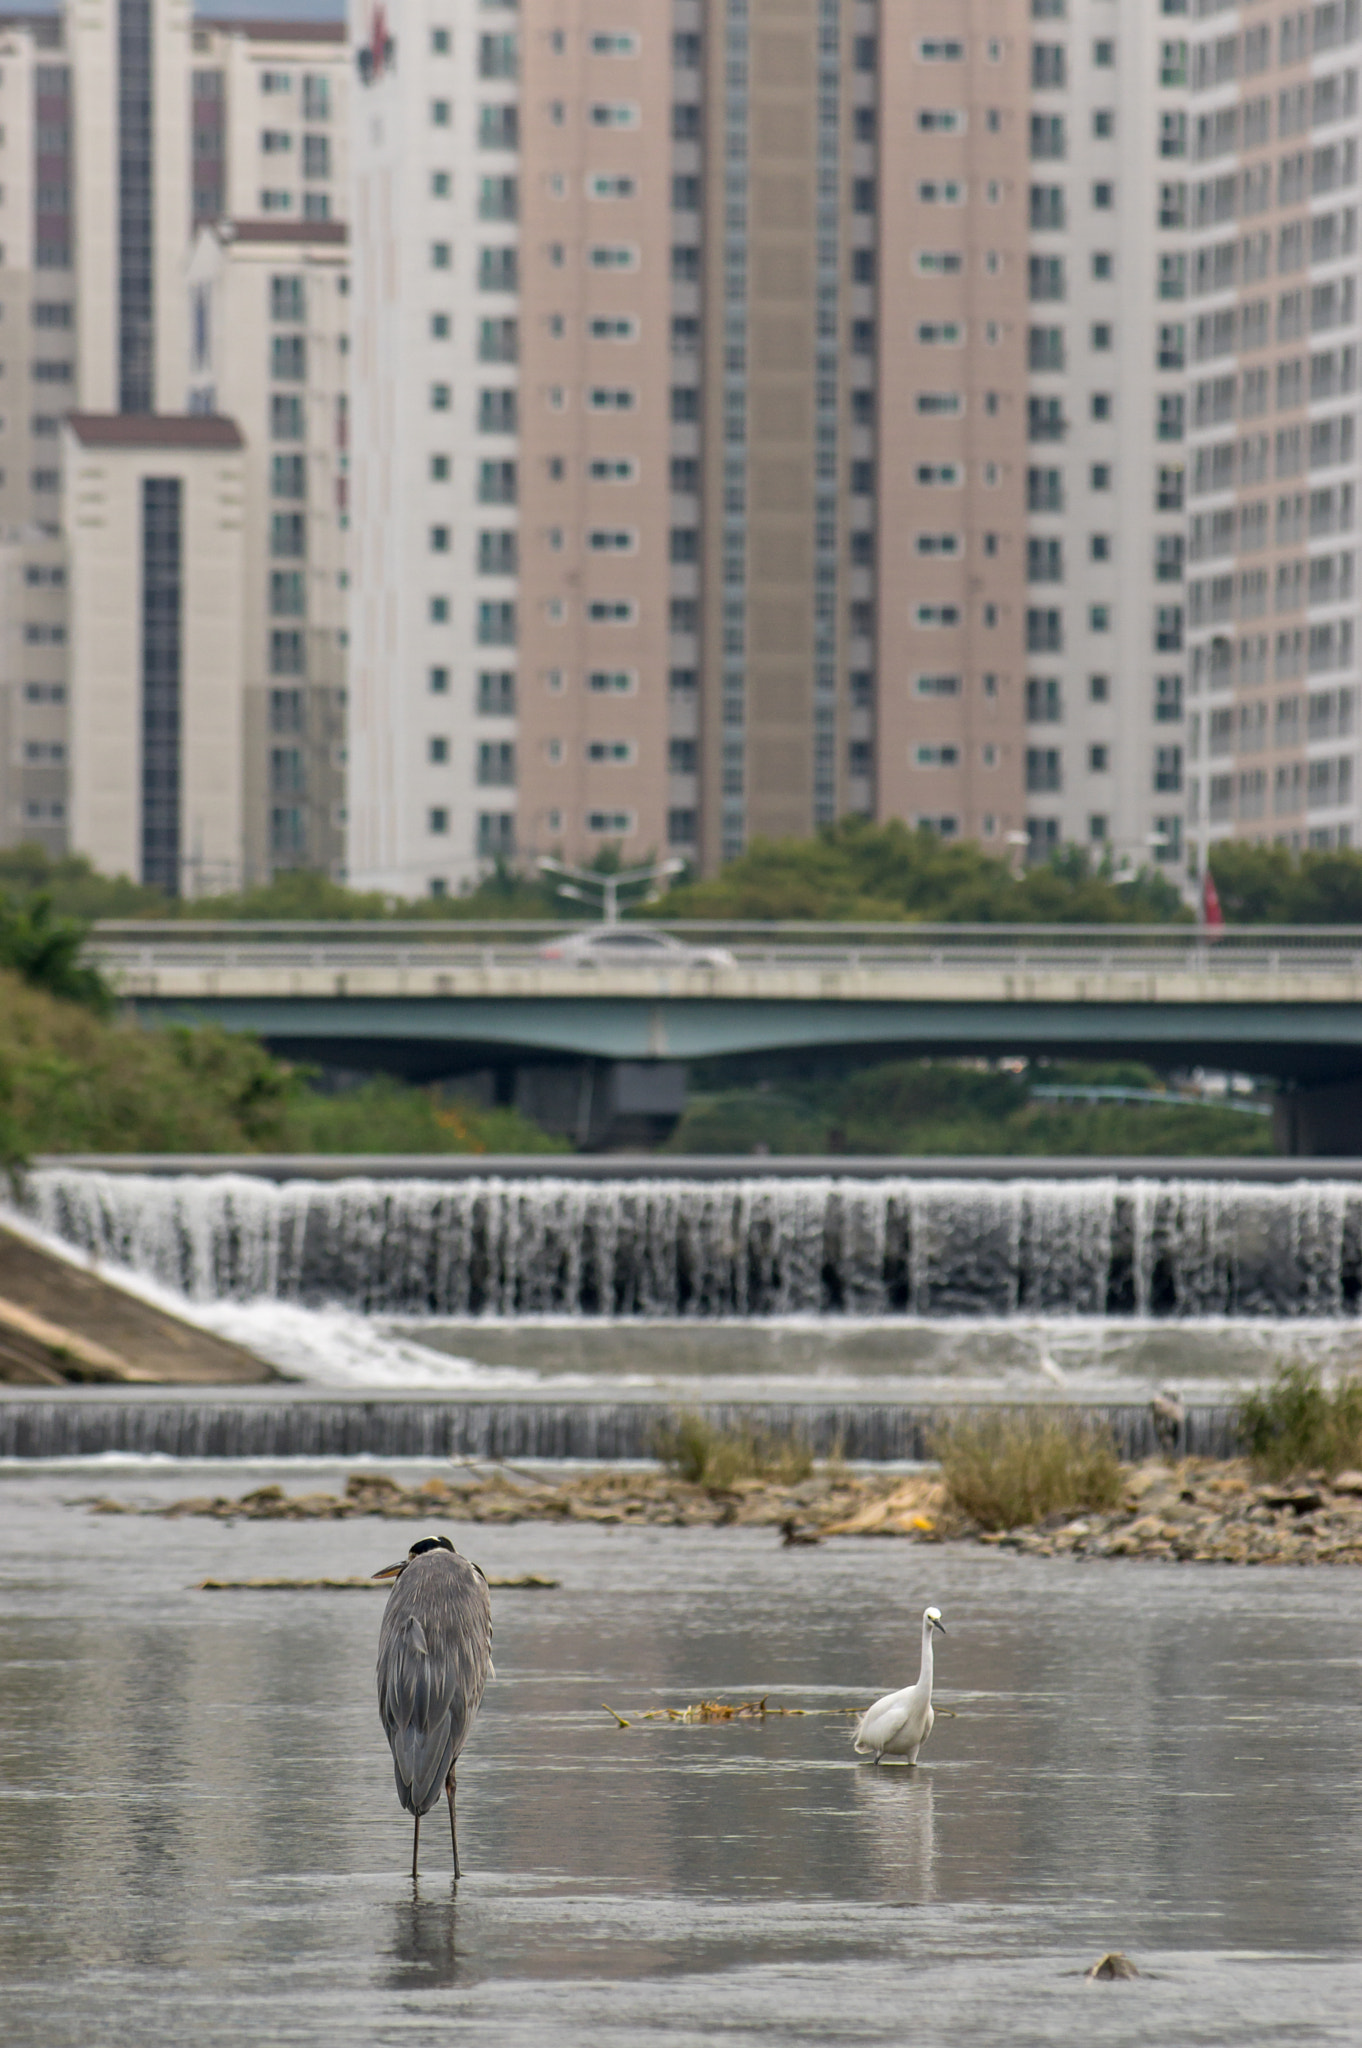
(390, 1571)
(940, 1627)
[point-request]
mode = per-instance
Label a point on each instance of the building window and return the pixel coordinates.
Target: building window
(1044, 631)
(496, 693)
(288, 476)
(496, 835)
(1044, 703)
(1167, 770)
(497, 411)
(286, 655)
(288, 535)
(286, 417)
(496, 624)
(498, 551)
(162, 600)
(287, 596)
(1044, 770)
(288, 358)
(498, 270)
(437, 819)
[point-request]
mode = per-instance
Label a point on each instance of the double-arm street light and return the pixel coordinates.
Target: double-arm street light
(578, 881)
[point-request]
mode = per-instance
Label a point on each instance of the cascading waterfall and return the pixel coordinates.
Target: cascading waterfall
(757, 1247)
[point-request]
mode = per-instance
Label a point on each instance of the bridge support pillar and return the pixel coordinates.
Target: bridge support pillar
(604, 1105)
(1320, 1123)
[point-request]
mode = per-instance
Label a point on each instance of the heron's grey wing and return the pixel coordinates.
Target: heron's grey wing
(434, 1653)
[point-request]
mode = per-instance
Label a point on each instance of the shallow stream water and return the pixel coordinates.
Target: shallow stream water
(199, 1837)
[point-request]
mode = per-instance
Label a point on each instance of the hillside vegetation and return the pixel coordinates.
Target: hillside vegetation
(72, 1080)
(941, 1109)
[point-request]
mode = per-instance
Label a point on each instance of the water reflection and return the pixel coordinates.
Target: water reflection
(896, 1807)
(423, 1951)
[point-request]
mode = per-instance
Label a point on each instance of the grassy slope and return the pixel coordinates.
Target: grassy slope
(70, 1082)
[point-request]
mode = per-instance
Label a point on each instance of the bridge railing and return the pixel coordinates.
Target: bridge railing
(128, 946)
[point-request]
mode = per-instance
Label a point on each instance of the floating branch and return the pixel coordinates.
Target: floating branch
(528, 1582)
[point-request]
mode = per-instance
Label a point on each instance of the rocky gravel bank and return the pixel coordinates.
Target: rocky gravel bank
(1196, 1511)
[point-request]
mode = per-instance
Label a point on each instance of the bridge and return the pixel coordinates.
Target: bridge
(580, 1043)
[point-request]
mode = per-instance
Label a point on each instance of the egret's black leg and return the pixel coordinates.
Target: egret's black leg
(453, 1837)
(415, 1847)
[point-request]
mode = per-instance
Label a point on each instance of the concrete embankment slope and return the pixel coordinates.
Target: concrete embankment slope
(59, 1323)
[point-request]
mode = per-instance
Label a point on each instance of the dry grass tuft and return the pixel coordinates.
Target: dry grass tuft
(1299, 1425)
(1018, 1466)
(698, 1451)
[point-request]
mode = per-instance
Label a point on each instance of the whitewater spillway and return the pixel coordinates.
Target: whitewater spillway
(757, 1247)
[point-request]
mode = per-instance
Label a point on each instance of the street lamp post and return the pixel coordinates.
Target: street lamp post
(576, 881)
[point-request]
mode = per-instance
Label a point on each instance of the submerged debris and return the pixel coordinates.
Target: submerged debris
(707, 1710)
(526, 1582)
(1110, 1967)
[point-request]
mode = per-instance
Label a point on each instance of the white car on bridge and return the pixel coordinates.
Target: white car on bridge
(630, 945)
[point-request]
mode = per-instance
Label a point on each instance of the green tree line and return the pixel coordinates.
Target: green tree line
(855, 870)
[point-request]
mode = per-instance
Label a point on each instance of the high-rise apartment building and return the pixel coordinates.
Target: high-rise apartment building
(1272, 266)
(119, 130)
(154, 554)
(812, 440)
(269, 307)
(1105, 419)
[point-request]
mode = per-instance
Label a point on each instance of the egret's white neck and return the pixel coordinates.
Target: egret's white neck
(924, 1677)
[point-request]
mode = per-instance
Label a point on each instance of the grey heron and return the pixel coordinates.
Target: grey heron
(434, 1659)
(900, 1723)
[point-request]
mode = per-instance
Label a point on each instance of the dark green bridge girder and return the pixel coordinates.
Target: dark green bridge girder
(429, 1036)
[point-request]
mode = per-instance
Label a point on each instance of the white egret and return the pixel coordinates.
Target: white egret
(900, 1723)
(1054, 1373)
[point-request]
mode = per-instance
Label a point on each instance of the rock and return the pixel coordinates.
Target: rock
(1111, 1967)
(1348, 1482)
(1302, 1500)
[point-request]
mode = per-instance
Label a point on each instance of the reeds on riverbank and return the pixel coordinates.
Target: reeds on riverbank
(1018, 1466)
(1297, 1424)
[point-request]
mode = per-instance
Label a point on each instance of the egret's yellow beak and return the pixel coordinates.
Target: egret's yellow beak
(390, 1571)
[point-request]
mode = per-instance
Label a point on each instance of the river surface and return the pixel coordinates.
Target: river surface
(199, 1838)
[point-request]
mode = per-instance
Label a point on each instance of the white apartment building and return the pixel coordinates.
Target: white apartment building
(1106, 353)
(435, 407)
(118, 130)
(1273, 457)
(154, 545)
(270, 103)
(269, 323)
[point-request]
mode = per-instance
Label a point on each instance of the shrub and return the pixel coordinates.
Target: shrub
(1298, 1424)
(1017, 1466)
(46, 951)
(699, 1451)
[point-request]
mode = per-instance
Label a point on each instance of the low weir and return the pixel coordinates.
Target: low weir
(286, 1426)
(753, 1247)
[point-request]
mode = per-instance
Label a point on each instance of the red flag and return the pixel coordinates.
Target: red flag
(1212, 916)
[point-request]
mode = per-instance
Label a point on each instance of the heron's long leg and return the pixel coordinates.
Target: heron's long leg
(453, 1837)
(415, 1847)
